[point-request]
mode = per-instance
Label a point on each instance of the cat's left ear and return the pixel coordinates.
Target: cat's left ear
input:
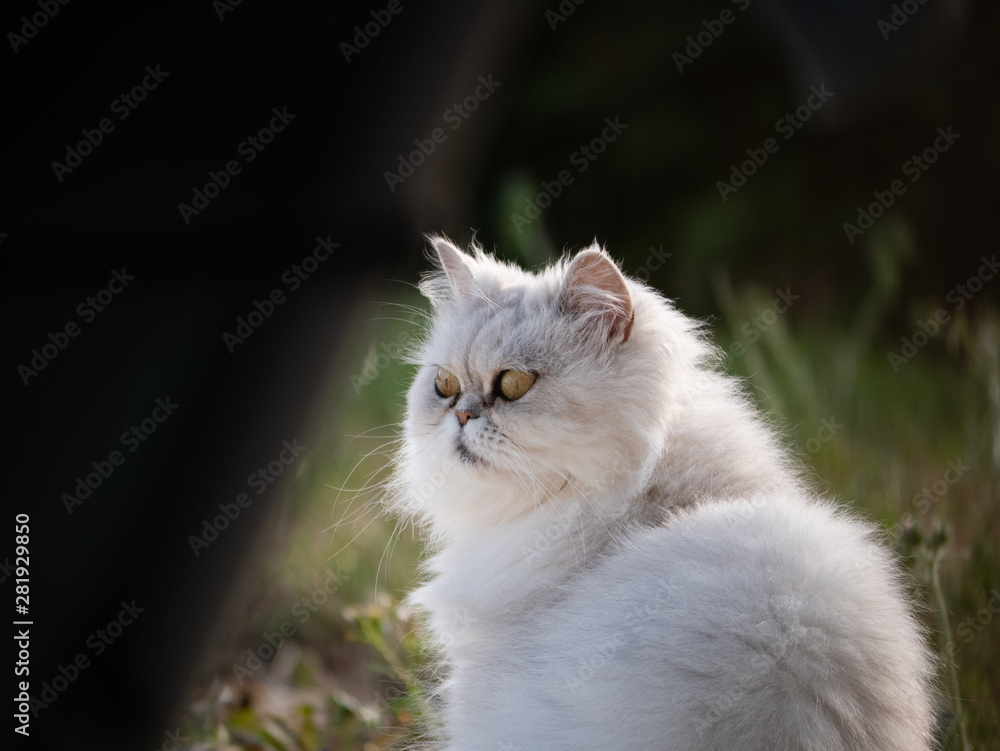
(454, 263)
(594, 289)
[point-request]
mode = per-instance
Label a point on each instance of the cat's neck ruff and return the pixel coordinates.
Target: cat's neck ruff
(483, 575)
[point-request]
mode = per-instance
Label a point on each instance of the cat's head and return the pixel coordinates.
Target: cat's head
(534, 386)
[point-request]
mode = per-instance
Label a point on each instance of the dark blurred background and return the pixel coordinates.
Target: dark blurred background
(514, 91)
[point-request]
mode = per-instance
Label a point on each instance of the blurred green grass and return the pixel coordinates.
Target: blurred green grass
(348, 677)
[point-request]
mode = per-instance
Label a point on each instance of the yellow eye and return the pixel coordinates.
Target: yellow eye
(515, 383)
(447, 383)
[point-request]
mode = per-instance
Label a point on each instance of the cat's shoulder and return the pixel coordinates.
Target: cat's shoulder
(765, 545)
(778, 525)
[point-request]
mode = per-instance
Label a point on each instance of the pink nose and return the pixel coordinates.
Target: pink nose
(464, 416)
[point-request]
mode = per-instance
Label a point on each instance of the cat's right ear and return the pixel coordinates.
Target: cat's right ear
(455, 265)
(595, 291)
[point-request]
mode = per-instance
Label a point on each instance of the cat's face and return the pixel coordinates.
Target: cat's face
(528, 385)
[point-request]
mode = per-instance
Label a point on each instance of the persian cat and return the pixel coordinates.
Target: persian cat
(622, 553)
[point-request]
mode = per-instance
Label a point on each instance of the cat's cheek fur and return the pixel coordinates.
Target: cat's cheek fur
(438, 485)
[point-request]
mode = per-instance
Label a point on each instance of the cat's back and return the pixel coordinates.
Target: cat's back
(778, 623)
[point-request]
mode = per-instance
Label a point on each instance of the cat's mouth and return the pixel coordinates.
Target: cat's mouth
(466, 454)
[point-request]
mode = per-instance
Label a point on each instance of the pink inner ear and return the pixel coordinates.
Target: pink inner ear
(595, 288)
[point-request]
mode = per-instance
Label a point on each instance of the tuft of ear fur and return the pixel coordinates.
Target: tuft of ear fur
(455, 265)
(594, 289)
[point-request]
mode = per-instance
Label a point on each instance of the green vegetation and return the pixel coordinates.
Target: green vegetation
(916, 450)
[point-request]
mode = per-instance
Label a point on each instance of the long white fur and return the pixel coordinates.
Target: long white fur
(629, 560)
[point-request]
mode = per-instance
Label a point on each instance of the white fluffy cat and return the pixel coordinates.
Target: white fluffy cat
(623, 555)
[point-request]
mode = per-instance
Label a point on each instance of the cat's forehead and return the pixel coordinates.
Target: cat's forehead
(498, 330)
(513, 297)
